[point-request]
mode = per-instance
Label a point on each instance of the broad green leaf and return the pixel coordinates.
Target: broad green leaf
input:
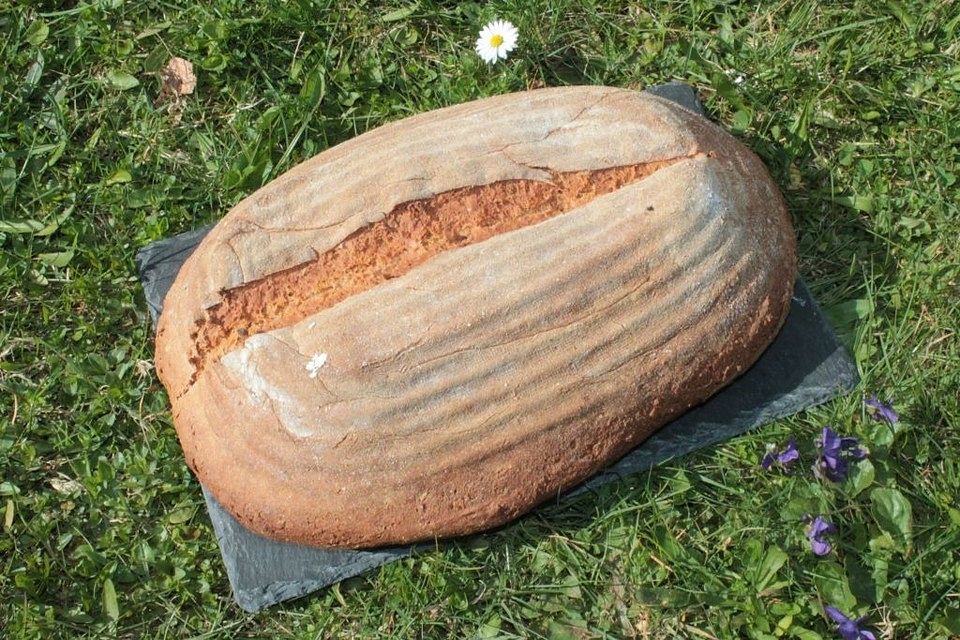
(8, 176)
(181, 515)
(63, 540)
(741, 120)
(862, 581)
(916, 226)
(766, 570)
(882, 434)
(571, 587)
(848, 313)
(893, 513)
(678, 484)
(57, 259)
(784, 608)
(490, 628)
(557, 631)
(37, 32)
(121, 80)
(57, 153)
(22, 226)
(398, 14)
(8, 515)
(118, 177)
(34, 71)
(831, 581)
(39, 278)
(902, 13)
(314, 87)
(826, 120)
(954, 515)
(156, 59)
(154, 30)
(880, 573)
(797, 507)
(861, 477)
(950, 620)
(214, 62)
(800, 125)
(727, 89)
(858, 203)
(51, 227)
(110, 606)
(667, 544)
(751, 552)
(784, 624)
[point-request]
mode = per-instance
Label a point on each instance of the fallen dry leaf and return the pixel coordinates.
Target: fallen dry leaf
(177, 79)
(64, 484)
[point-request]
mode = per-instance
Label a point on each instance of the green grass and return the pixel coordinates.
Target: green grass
(853, 105)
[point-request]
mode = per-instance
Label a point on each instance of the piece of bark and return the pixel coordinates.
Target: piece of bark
(176, 80)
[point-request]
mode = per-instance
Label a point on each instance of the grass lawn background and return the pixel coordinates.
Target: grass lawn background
(854, 107)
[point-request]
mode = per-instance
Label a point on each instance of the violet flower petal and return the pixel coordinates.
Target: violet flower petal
(780, 458)
(790, 454)
(839, 473)
(835, 614)
(768, 459)
(816, 531)
(829, 440)
(832, 463)
(849, 629)
(882, 410)
(820, 548)
(820, 526)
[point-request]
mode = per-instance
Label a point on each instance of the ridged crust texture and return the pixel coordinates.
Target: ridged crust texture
(480, 372)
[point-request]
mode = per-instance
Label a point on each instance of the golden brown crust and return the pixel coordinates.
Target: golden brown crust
(490, 375)
(409, 235)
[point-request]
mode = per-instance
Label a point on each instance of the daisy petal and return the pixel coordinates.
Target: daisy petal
(497, 39)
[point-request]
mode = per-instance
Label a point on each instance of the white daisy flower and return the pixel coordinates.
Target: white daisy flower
(496, 40)
(315, 364)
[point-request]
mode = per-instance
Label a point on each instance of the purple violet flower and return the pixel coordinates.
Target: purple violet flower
(817, 529)
(849, 629)
(882, 410)
(782, 458)
(834, 451)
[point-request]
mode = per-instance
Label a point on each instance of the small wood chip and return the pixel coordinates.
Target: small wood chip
(176, 80)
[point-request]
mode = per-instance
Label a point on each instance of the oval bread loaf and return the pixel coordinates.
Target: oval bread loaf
(430, 329)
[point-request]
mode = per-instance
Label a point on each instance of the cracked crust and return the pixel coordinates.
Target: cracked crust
(463, 391)
(409, 235)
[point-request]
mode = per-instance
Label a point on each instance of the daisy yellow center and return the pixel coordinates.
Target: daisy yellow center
(496, 40)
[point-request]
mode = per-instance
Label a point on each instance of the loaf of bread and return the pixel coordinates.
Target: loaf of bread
(430, 329)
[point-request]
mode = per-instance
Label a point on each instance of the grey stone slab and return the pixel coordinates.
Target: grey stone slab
(263, 572)
(805, 366)
(681, 93)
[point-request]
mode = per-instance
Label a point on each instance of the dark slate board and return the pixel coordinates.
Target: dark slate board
(805, 366)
